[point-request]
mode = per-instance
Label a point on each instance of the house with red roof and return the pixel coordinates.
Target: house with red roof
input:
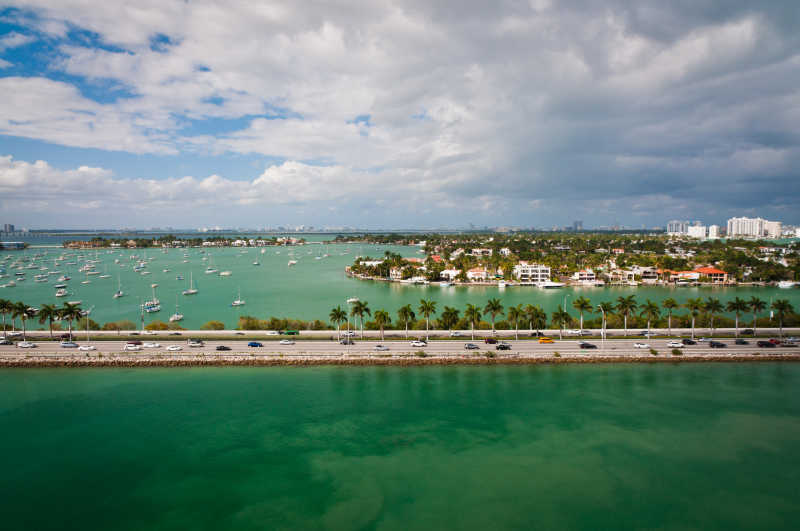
(716, 276)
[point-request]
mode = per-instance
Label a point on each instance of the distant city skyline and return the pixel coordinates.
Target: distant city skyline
(397, 114)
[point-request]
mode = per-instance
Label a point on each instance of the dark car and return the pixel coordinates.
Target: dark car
(490, 341)
(774, 341)
(748, 332)
(503, 346)
(64, 336)
(239, 333)
(5, 341)
(471, 346)
(134, 342)
(765, 344)
(688, 341)
(717, 344)
(175, 333)
(741, 342)
(584, 344)
(254, 344)
(223, 347)
(346, 341)
(537, 334)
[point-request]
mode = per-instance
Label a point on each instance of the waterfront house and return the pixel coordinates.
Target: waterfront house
(477, 274)
(526, 273)
(450, 274)
(715, 276)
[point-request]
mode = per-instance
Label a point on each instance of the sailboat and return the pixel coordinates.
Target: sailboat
(191, 290)
(153, 305)
(119, 292)
(175, 317)
(238, 301)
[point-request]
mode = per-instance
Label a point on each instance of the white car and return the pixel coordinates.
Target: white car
(455, 333)
(675, 344)
(195, 343)
(13, 334)
(151, 345)
(286, 342)
(381, 348)
(26, 344)
(573, 332)
(273, 333)
(173, 348)
(86, 347)
(418, 343)
(134, 348)
(149, 333)
(641, 345)
(348, 333)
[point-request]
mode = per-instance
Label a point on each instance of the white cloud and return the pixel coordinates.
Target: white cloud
(5, 64)
(14, 40)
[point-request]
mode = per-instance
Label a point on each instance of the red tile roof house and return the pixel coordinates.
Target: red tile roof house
(716, 276)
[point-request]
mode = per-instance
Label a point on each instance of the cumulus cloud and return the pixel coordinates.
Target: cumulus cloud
(614, 103)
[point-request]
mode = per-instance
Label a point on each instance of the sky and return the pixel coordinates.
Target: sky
(397, 114)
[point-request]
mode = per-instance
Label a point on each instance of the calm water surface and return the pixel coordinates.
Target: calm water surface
(307, 290)
(596, 447)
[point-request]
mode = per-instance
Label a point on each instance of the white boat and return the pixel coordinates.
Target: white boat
(445, 284)
(191, 290)
(175, 317)
(256, 263)
(786, 284)
(351, 300)
(238, 301)
(549, 284)
(119, 292)
(292, 262)
(501, 284)
(59, 293)
(154, 285)
(225, 273)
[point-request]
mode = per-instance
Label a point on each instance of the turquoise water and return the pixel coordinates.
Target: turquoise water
(384, 448)
(307, 290)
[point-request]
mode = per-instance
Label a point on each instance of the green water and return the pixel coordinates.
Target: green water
(307, 290)
(379, 448)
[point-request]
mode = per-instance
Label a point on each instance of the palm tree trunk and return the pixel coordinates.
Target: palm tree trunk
(669, 323)
(581, 321)
(473, 330)
(737, 325)
(23, 329)
(426, 329)
(516, 331)
(692, 326)
(381, 332)
(625, 324)
(755, 331)
(338, 331)
(406, 329)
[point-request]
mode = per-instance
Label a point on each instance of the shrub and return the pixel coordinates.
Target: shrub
(556, 354)
(677, 352)
(654, 352)
(213, 325)
(157, 325)
(421, 354)
(490, 354)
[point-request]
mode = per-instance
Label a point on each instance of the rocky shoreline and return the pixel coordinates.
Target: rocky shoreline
(250, 361)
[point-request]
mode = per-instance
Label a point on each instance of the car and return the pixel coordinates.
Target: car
(151, 345)
(346, 341)
(238, 333)
(175, 334)
(688, 341)
(223, 347)
(748, 332)
(774, 341)
(455, 333)
(286, 342)
(584, 344)
(675, 344)
(5, 341)
(254, 344)
(471, 346)
(195, 343)
(418, 343)
(291, 332)
(149, 333)
(537, 334)
(545, 339)
(789, 344)
(348, 333)
(740, 341)
(380, 348)
(133, 342)
(573, 332)
(645, 333)
(272, 333)
(86, 348)
(702, 339)
(765, 344)
(65, 337)
(490, 341)
(69, 344)
(503, 346)
(134, 333)
(717, 344)
(641, 345)
(174, 348)
(26, 344)
(131, 347)
(17, 334)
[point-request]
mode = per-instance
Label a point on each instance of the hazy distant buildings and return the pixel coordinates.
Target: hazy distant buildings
(754, 228)
(773, 229)
(677, 228)
(8, 227)
(697, 231)
(713, 232)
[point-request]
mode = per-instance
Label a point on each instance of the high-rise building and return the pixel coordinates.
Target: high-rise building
(8, 227)
(747, 227)
(697, 231)
(713, 232)
(677, 228)
(577, 225)
(773, 229)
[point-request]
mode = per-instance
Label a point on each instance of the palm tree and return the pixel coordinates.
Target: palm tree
(536, 316)
(473, 315)
(605, 308)
(359, 309)
(561, 318)
(337, 317)
(382, 319)
(5, 308)
(48, 312)
(756, 305)
(70, 312)
(626, 305)
(694, 306)
(515, 313)
(21, 310)
(426, 309)
(713, 307)
(650, 310)
(449, 317)
(782, 307)
(582, 304)
(406, 315)
(669, 304)
(493, 307)
(737, 306)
